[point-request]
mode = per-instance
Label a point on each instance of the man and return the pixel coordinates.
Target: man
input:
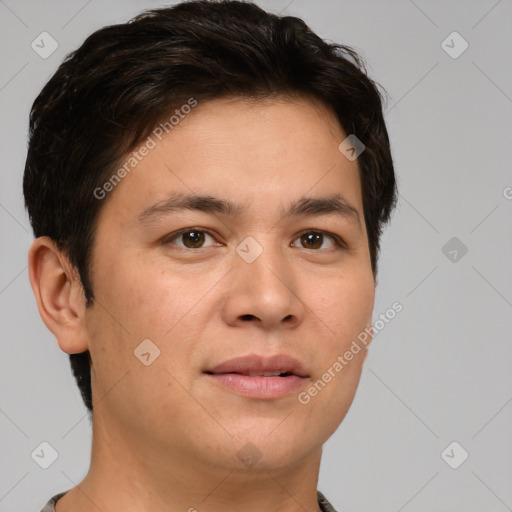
(207, 185)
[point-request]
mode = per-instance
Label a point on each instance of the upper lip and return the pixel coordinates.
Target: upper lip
(254, 364)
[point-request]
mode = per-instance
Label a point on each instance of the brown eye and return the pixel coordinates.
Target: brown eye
(193, 239)
(315, 240)
(189, 238)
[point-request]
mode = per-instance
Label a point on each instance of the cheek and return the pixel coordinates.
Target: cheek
(346, 307)
(145, 300)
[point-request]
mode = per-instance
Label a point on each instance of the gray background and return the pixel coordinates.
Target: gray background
(439, 372)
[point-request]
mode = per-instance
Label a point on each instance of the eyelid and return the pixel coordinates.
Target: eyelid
(175, 234)
(337, 239)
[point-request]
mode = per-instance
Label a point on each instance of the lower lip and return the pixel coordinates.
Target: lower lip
(261, 387)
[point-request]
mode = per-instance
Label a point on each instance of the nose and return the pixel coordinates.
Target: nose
(264, 292)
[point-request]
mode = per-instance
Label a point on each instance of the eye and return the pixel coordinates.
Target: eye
(315, 239)
(195, 238)
(191, 238)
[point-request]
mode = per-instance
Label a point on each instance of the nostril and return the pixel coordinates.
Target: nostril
(247, 317)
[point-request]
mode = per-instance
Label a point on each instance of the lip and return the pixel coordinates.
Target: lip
(259, 364)
(238, 375)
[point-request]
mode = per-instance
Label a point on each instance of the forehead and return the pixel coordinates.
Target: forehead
(260, 152)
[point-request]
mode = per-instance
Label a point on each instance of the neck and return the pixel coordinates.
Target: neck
(127, 474)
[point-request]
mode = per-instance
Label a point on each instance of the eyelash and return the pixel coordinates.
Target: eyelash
(339, 242)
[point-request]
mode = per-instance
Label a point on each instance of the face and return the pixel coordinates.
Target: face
(267, 265)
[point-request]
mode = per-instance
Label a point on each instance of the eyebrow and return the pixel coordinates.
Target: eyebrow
(334, 204)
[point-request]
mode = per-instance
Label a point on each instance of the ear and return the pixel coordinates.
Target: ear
(59, 295)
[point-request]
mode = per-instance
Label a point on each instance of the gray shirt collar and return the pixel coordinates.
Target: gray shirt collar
(322, 502)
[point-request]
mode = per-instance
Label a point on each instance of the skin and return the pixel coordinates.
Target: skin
(164, 437)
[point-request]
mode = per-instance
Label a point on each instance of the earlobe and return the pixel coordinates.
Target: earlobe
(58, 294)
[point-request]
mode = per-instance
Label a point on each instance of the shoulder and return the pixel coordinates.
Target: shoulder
(50, 506)
(324, 504)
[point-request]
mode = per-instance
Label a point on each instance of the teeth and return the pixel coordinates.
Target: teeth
(264, 374)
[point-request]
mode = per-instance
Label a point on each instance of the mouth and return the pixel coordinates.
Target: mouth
(260, 366)
(276, 373)
(259, 377)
